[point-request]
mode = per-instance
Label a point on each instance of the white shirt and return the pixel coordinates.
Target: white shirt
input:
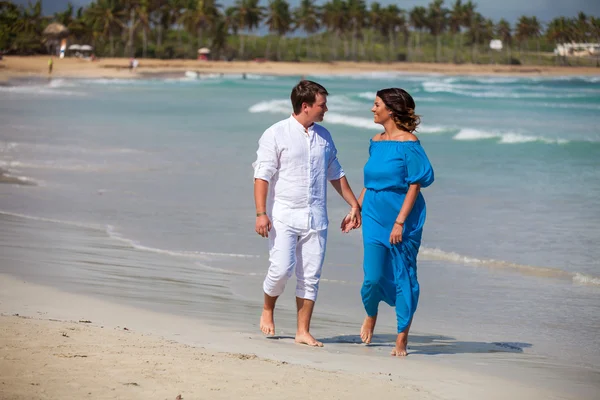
(297, 164)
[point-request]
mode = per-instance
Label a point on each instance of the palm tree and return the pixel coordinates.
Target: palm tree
(334, 17)
(307, 18)
(487, 34)
(394, 22)
(418, 20)
(158, 17)
(279, 22)
(105, 15)
(9, 15)
(582, 27)
(527, 28)
(561, 30)
(437, 23)
(65, 17)
(249, 15)
(471, 17)
(200, 16)
(595, 28)
(143, 11)
(535, 29)
(503, 31)
(29, 27)
(455, 21)
(357, 12)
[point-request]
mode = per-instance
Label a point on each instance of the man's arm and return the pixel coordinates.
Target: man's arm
(265, 167)
(263, 223)
(343, 188)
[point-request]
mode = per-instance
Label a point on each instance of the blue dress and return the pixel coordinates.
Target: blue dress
(391, 271)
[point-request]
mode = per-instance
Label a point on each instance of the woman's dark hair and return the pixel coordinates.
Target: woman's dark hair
(402, 107)
(306, 92)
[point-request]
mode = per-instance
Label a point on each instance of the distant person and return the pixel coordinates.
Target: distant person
(50, 65)
(135, 64)
(393, 212)
(295, 159)
(131, 64)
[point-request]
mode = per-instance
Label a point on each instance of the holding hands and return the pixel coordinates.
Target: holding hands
(352, 220)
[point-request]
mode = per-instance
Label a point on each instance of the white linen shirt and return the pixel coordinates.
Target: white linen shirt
(297, 164)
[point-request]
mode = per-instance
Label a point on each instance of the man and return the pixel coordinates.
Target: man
(295, 159)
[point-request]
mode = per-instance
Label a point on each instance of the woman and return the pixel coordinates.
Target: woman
(393, 211)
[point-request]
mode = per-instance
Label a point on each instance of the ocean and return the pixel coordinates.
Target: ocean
(140, 192)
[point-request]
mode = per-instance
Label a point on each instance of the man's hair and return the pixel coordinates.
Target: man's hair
(306, 92)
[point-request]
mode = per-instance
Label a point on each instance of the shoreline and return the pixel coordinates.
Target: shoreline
(18, 67)
(58, 344)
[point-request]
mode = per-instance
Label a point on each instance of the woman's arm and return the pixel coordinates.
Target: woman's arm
(361, 197)
(407, 206)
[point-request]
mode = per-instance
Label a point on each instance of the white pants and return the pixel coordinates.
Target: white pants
(302, 249)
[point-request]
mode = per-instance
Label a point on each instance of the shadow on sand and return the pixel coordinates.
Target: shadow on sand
(433, 345)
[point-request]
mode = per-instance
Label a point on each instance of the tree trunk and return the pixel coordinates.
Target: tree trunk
(354, 42)
(242, 47)
(112, 44)
(298, 48)
(268, 48)
(144, 42)
(418, 45)
(332, 46)
(131, 29)
(159, 36)
(279, 40)
(346, 48)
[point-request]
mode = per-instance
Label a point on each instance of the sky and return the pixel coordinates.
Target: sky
(511, 10)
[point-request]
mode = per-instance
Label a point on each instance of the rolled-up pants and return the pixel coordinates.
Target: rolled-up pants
(302, 250)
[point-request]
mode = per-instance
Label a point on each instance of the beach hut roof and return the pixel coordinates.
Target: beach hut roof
(204, 50)
(56, 29)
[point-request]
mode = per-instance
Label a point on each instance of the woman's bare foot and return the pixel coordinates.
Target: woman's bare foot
(267, 325)
(401, 343)
(308, 339)
(367, 329)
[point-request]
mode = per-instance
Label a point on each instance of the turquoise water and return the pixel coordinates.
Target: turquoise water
(162, 167)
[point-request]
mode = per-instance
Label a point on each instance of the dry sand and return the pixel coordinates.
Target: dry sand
(46, 359)
(63, 345)
(37, 66)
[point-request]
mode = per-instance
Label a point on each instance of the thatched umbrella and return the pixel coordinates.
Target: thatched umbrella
(56, 31)
(53, 34)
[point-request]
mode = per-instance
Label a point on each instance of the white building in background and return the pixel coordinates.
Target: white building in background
(577, 49)
(496, 44)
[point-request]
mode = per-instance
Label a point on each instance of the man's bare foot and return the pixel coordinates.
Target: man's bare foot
(308, 339)
(401, 343)
(367, 329)
(267, 325)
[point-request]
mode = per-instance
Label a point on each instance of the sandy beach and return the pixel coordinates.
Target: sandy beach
(56, 345)
(37, 66)
(50, 359)
(122, 276)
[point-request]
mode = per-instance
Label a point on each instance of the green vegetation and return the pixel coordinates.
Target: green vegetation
(339, 30)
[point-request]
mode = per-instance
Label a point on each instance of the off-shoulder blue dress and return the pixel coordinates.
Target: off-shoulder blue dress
(391, 271)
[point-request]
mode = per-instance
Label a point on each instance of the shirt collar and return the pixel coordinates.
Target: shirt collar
(294, 123)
